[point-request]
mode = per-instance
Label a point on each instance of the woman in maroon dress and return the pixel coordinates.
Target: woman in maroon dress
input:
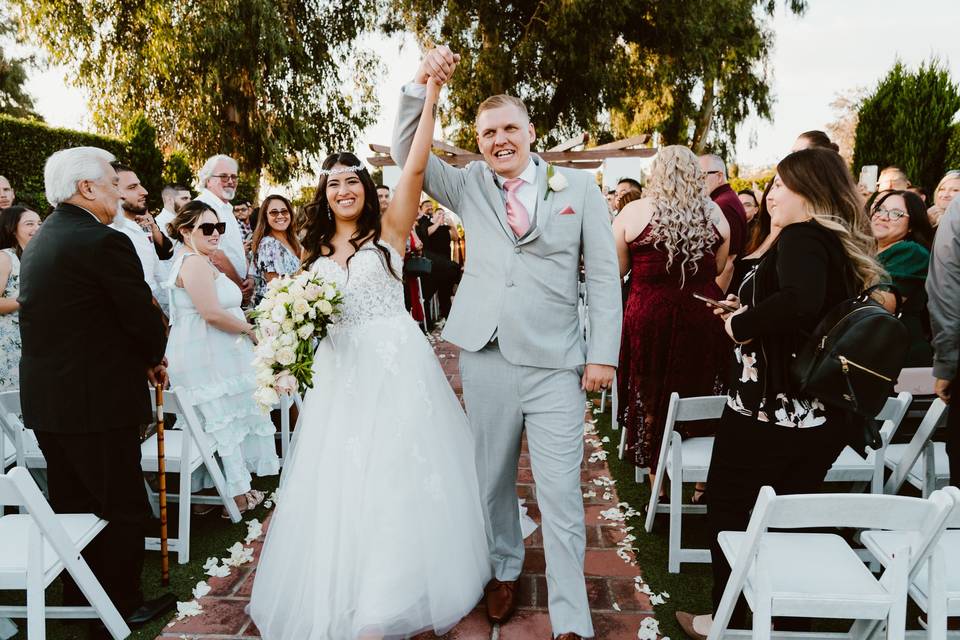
(673, 242)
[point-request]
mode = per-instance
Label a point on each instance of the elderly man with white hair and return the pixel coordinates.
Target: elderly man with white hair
(218, 180)
(92, 339)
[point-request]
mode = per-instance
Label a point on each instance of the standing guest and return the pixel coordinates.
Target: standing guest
(276, 248)
(943, 290)
(673, 242)
(814, 139)
(6, 193)
(723, 194)
(174, 196)
(892, 178)
(383, 196)
(902, 229)
(611, 197)
(241, 212)
(625, 187)
(211, 358)
(92, 339)
(135, 222)
(771, 433)
(435, 231)
(761, 235)
(943, 195)
(218, 180)
(750, 204)
(17, 227)
(920, 192)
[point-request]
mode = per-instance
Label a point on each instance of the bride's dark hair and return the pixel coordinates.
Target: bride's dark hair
(320, 224)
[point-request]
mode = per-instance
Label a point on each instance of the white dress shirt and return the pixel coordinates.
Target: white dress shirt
(527, 193)
(145, 251)
(164, 218)
(231, 242)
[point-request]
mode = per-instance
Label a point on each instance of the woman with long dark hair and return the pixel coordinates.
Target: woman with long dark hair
(379, 533)
(771, 433)
(17, 227)
(276, 248)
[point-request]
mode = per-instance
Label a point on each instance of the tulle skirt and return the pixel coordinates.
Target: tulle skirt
(378, 528)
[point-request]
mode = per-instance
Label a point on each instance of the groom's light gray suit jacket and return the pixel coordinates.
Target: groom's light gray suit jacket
(525, 291)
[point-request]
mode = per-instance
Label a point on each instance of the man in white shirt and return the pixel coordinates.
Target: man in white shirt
(136, 223)
(218, 180)
(7, 193)
(174, 197)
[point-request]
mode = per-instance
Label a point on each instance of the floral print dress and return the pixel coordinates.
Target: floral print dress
(272, 257)
(10, 330)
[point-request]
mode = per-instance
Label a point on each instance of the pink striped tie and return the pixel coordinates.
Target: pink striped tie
(517, 216)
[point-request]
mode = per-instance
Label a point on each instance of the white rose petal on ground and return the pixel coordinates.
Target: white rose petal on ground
(649, 629)
(188, 609)
(201, 590)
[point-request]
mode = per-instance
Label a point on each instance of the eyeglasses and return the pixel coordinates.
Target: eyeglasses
(209, 227)
(890, 214)
(276, 213)
(226, 177)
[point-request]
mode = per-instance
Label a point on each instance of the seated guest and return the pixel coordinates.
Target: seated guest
(17, 227)
(276, 248)
(947, 188)
(209, 361)
(6, 193)
(92, 338)
(902, 229)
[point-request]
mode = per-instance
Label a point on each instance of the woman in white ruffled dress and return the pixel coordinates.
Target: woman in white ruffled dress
(378, 531)
(210, 355)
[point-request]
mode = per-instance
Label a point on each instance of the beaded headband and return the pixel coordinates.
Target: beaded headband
(334, 171)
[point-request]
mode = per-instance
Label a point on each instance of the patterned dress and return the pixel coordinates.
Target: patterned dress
(10, 330)
(272, 257)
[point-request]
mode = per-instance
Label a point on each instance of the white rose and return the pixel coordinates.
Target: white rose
(325, 307)
(300, 306)
(558, 182)
(284, 298)
(286, 356)
(298, 318)
(264, 376)
(278, 313)
(295, 290)
(268, 328)
(266, 305)
(287, 339)
(273, 285)
(303, 279)
(266, 396)
(305, 331)
(311, 292)
(266, 350)
(287, 325)
(312, 314)
(328, 292)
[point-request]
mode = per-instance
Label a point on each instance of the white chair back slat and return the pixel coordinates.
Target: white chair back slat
(914, 449)
(851, 510)
(10, 402)
(700, 408)
(893, 413)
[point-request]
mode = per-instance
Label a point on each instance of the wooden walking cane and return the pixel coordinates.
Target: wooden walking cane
(162, 473)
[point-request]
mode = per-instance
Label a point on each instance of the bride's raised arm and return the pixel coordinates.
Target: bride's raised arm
(402, 211)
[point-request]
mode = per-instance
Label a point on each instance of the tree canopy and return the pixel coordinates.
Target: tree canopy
(612, 68)
(14, 99)
(273, 83)
(907, 121)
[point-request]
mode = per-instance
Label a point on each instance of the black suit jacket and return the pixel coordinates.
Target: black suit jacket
(88, 326)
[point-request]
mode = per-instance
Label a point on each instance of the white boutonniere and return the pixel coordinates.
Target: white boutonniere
(555, 181)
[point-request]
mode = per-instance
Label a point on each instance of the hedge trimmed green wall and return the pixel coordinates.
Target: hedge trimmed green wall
(25, 146)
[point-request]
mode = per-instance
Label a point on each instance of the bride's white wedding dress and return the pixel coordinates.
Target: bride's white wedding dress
(378, 529)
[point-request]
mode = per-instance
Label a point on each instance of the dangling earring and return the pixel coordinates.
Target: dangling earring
(329, 213)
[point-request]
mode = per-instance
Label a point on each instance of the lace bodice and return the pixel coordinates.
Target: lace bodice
(370, 291)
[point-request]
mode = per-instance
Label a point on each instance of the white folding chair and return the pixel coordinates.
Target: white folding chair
(614, 405)
(683, 461)
(921, 462)
(287, 401)
(37, 546)
(186, 450)
(8, 453)
(935, 582)
(850, 467)
(818, 575)
(27, 453)
(918, 381)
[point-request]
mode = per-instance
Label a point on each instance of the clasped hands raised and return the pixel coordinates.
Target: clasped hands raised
(439, 64)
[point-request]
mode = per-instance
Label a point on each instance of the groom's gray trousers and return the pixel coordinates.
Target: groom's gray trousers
(502, 400)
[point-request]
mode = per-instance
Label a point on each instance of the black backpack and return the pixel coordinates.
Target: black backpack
(854, 357)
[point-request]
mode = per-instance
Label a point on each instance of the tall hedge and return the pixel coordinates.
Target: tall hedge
(907, 122)
(25, 146)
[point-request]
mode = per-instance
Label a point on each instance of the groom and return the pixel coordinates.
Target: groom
(524, 363)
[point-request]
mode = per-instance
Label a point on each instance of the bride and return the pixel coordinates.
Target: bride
(378, 531)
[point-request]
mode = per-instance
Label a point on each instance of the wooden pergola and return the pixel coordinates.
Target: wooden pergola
(563, 155)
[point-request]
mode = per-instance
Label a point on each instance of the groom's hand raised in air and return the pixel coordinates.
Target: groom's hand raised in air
(597, 377)
(439, 63)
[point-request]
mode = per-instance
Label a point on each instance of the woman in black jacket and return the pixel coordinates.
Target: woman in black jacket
(770, 434)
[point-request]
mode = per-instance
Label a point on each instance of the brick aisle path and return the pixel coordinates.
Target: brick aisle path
(617, 605)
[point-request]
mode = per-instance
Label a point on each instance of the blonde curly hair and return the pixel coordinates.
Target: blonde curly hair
(682, 222)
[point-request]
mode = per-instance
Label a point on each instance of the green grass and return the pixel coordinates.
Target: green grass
(210, 536)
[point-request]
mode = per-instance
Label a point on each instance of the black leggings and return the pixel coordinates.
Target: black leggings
(747, 455)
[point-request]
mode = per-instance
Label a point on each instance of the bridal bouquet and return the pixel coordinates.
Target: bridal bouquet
(293, 315)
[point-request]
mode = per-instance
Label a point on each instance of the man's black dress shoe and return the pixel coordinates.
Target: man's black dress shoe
(151, 609)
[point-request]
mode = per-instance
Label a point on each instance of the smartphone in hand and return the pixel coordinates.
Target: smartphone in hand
(715, 303)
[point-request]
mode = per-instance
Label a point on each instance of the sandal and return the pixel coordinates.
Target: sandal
(254, 499)
(698, 496)
(202, 509)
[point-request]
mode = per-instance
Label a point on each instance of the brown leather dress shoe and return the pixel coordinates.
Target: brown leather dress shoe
(569, 636)
(686, 623)
(500, 599)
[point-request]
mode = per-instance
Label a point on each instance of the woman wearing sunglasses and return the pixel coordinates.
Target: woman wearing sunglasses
(902, 229)
(210, 356)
